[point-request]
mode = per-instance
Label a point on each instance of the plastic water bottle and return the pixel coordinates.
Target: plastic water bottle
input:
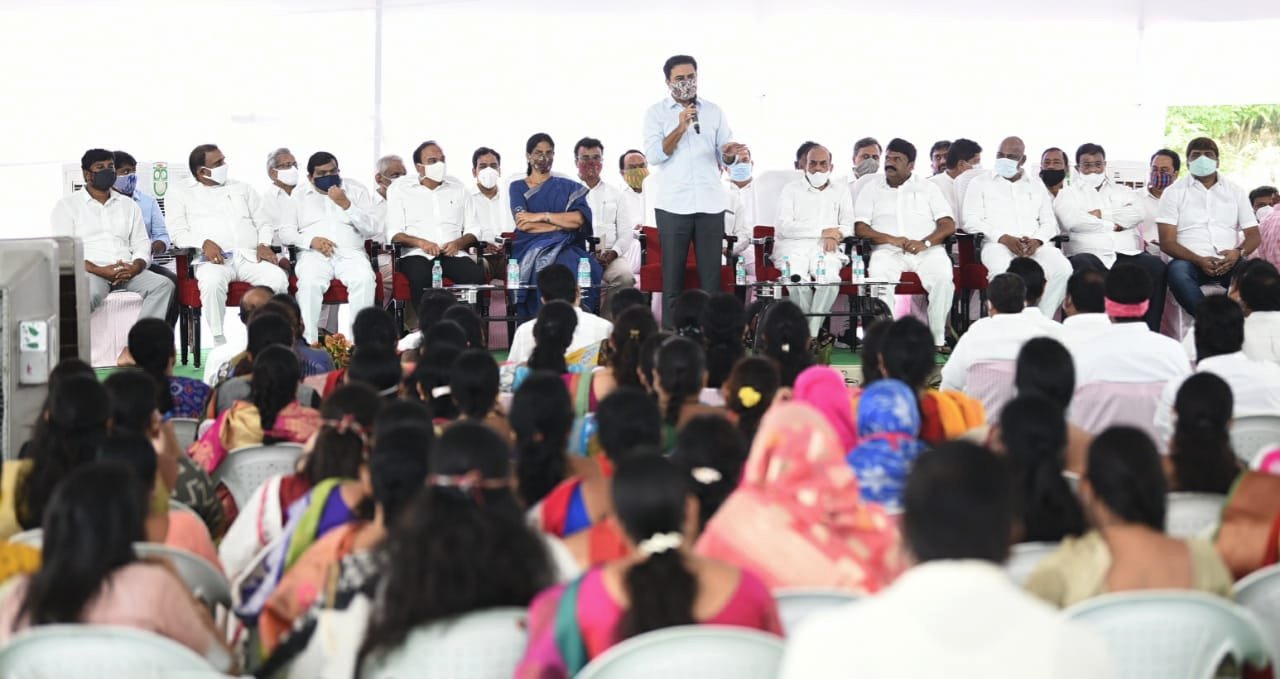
(437, 273)
(739, 273)
(513, 272)
(858, 273)
(786, 268)
(820, 272)
(584, 273)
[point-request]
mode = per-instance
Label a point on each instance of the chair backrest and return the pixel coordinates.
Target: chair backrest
(482, 645)
(1193, 514)
(31, 538)
(1024, 557)
(1174, 634)
(99, 651)
(184, 428)
(992, 383)
(704, 651)
(1260, 593)
(652, 244)
(249, 467)
(1252, 433)
(1098, 406)
(199, 575)
(797, 604)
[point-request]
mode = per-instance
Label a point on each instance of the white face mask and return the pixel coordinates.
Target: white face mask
(817, 179)
(287, 176)
(487, 177)
(1092, 181)
(1264, 211)
(1006, 167)
(434, 171)
(218, 175)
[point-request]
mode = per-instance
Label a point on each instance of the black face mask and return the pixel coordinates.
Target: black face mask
(1052, 177)
(103, 179)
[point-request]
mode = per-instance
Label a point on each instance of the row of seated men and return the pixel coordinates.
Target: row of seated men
(1202, 224)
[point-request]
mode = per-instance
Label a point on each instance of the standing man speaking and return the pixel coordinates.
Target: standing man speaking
(689, 138)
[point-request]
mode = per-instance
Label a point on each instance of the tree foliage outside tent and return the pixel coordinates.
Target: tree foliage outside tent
(1248, 137)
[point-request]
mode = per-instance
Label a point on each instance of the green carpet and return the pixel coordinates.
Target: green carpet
(179, 370)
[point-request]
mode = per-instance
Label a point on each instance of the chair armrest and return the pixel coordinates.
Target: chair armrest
(593, 244)
(184, 259)
(729, 241)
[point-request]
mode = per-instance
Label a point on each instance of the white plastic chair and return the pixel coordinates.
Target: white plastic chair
(31, 538)
(1260, 593)
(992, 383)
(1174, 634)
(184, 429)
(175, 506)
(691, 652)
(244, 469)
(1253, 433)
(481, 645)
(1024, 557)
(99, 651)
(199, 575)
(797, 604)
(1098, 406)
(1192, 515)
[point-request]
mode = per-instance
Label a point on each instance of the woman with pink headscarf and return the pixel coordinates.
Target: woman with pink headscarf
(796, 519)
(824, 389)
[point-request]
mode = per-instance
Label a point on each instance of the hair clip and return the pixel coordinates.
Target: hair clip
(347, 424)
(786, 348)
(749, 397)
(473, 483)
(441, 391)
(705, 475)
(634, 333)
(659, 543)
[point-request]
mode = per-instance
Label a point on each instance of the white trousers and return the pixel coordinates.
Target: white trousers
(933, 267)
(215, 278)
(803, 256)
(1057, 269)
(316, 272)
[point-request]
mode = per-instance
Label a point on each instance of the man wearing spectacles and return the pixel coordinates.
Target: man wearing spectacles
(1103, 221)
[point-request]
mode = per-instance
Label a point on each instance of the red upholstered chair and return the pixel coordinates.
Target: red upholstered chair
(651, 264)
(189, 304)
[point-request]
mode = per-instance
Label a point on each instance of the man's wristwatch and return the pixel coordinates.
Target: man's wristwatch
(927, 244)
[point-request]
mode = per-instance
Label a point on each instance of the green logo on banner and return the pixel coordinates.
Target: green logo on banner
(159, 179)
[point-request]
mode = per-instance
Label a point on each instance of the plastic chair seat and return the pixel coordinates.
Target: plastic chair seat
(1259, 592)
(796, 604)
(482, 645)
(991, 382)
(246, 468)
(204, 581)
(1253, 433)
(1024, 557)
(691, 651)
(1193, 514)
(1174, 634)
(99, 651)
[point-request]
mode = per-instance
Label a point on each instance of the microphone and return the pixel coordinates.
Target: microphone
(697, 129)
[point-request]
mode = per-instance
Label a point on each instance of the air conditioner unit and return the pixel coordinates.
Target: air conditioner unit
(40, 324)
(155, 178)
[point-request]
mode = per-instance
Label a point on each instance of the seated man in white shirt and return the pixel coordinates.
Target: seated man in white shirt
(611, 221)
(329, 223)
(1206, 226)
(866, 164)
(388, 169)
(741, 221)
(488, 211)
(1219, 334)
(907, 219)
(1016, 216)
(955, 613)
(219, 357)
(1128, 351)
(282, 170)
(938, 156)
(813, 217)
(1103, 221)
(226, 222)
(963, 155)
(634, 168)
(556, 282)
(426, 211)
(1084, 309)
(117, 248)
(999, 336)
(1033, 275)
(1259, 290)
(1165, 166)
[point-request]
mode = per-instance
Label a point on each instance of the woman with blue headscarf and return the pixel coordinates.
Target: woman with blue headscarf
(888, 427)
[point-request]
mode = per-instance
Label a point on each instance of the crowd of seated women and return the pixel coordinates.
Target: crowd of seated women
(682, 480)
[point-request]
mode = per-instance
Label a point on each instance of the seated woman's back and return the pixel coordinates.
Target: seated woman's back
(1123, 492)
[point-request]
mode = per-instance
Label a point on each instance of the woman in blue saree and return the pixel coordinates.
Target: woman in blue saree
(553, 222)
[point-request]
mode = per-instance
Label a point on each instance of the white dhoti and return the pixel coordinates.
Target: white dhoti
(933, 267)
